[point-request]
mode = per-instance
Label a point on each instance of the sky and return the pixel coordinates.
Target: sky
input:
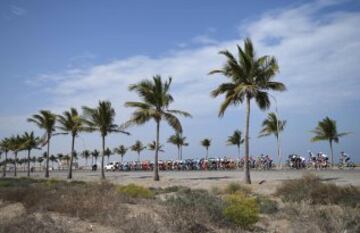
(61, 54)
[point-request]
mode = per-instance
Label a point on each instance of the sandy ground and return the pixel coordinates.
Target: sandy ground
(209, 179)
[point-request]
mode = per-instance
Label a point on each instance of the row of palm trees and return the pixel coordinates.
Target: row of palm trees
(249, 78)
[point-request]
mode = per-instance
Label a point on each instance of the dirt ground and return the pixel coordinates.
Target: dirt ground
(262, 181)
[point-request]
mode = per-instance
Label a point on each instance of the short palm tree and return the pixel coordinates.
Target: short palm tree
(102, 119)
(152, 146)
(86, 154)
(46, 121)
(5, 147)
(180, 141)
(206, 143)
(138, 147)
(52, 160)
(40, 161)
(30, 142)
(16, 144)
(273, 126)
(71, 123)
(121, 150)
(250, 77)
(108, 153)
(326, 130)
(156, 99)
(95, 154)
(235, 140)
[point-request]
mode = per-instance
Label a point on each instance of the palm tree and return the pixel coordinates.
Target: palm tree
(30, 142)
(67, 159)
(45, 120)
(95, 154)
(178, 140)
(250, 77)
(138, 147)
(108, 153)
(40, 160)
(71, 122)
(16, 144)
(5, 147)
(235, 140)
(273, 126)
(86, 154)
(52, 159)
(326, 130)
(206, 143)
(121, 150)
(102, 119)
(152, 146)
(156, 99)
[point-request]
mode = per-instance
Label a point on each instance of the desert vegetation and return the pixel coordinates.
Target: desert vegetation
(302, 205)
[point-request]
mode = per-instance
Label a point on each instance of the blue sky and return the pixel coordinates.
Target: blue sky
(59, 54)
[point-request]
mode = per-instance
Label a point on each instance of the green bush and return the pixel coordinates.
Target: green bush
(241, 210)
(135, 191)
(311, 188)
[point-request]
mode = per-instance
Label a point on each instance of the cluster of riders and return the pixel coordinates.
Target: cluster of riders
(262, 162)
(317, 161)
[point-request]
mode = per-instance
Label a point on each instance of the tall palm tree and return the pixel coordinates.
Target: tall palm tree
(46, 121)
(156, 99)
(152, 146)
(235, 140)
(326, 130)
(121, 150)
(86, 154)
(71, 122)
(16, 144)
(95, 154)
(30, 142)
(273, 126)
(249, 77)
(5, 147)
(102, 119)
(180, 141)
(206, 143)
(138, 147)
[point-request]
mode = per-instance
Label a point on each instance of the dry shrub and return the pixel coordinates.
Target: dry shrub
(310, 188)
(233, 188)
(307, 218)
(194, 211)
(28, 223)
(95, 202)
(141, 223)
(266, 205)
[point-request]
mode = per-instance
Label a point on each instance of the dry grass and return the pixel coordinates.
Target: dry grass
(310, 188)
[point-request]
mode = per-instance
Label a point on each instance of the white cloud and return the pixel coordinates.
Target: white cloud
(18, 11)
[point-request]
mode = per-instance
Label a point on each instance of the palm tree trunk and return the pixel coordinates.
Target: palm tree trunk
(239, 152)
(103, 158)
(332, 154)
(156, 168)
(15, 172)
(247, 165)
(138, 155)
(71, 156)
(178, 147)
(181, 150)
(28, 163)
(47, 157)
(278, 151)
(5, 163)
(207, 152)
